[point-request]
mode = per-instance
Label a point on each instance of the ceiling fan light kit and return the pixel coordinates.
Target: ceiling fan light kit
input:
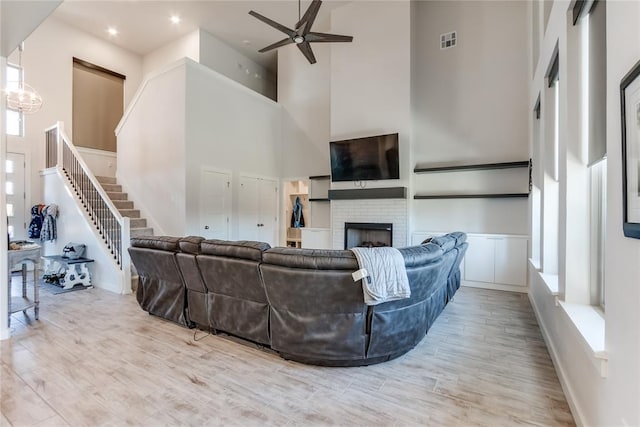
(302, 35)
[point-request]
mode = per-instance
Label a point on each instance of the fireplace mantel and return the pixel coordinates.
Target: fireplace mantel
(369, 193)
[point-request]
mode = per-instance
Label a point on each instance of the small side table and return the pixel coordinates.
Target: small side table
(30, 253)
(71, 271)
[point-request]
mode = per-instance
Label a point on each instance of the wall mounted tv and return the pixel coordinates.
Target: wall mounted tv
(365, 159)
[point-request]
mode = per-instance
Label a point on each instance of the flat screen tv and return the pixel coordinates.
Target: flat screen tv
(365, 159)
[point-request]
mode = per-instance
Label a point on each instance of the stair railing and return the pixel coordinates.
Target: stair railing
(113, 228)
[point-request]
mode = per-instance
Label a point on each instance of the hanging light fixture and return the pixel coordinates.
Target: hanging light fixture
(21, 96)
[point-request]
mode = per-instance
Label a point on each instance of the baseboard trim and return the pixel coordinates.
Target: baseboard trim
(562, 376)
(495, 286)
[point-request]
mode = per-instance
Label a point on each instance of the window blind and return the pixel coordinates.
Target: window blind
(554, 69)
(581, 8)
(98, 104)
(597, 75)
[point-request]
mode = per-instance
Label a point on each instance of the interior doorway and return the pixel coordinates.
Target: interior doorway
(296, 211)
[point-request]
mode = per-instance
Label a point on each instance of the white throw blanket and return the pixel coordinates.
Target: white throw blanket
(384, 277)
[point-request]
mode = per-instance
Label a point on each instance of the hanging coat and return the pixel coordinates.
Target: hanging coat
(49, 232)
(36, 222)
(297, 219)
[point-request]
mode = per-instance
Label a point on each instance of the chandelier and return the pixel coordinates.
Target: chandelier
(21, 96)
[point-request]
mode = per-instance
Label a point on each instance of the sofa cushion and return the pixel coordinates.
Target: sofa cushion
(191, 244)
(459, 236)
(244, 249)
(446, 242)
(421, 255)
(313, 259)
(163, 243)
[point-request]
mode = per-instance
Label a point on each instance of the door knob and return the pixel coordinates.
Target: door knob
(206, 227)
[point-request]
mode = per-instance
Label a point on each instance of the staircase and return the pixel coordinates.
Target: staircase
(125, 207)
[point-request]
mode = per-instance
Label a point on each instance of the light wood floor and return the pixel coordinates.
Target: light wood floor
(95, 358)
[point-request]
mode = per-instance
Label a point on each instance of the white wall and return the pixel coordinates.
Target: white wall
(471, 101)
(17, 21)
(187, 117)
(622, 269)
(4, 303)
(611, 401)
(72, 226)
(100, 163)
(186, 46)
(304, 94)
(371, 77)
(48, 64)
(228, 127)
(470, 105)
(151, 150)
(221, 57)
(212, 52)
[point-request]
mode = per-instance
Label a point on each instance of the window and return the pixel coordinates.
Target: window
(591, 17)
(15, 122)
(598, 223)
(550, 192)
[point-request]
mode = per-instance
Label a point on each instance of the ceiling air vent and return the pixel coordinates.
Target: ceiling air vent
(448, 40)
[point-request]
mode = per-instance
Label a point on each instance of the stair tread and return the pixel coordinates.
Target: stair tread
(117, 195)
(130, 213)
(106, 179)
(123, 204)
(138, 222)
(141, 231)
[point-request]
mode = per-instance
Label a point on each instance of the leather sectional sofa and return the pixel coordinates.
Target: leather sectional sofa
(303, 303)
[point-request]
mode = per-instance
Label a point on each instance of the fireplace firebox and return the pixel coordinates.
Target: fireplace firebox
(367, 234)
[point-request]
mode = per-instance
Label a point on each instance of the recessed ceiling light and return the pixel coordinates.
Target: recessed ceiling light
(112, 31)
(175, 19)
(246, 42)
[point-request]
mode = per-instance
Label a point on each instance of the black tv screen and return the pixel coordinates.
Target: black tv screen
(364, 159)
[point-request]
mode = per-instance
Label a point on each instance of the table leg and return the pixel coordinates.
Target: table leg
(36, 291)
(24, 280)
(9, 296)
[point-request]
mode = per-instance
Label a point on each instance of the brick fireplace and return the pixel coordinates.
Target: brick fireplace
(367, 234)
(390, 211)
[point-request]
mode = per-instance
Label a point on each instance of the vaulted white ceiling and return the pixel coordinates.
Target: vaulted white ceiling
(144, 25)
(19, 18)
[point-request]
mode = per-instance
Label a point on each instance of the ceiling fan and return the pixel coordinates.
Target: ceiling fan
(302, 35)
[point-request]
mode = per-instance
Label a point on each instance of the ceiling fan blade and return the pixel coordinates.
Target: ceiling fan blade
(326, 38)
(282, 42)
(309, 16)
(305, 48)
(272, 23)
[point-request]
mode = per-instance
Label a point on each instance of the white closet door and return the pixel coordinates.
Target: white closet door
(249, 208)
(268, 224)
(215, 204)
(258, 210)
(15, 191)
